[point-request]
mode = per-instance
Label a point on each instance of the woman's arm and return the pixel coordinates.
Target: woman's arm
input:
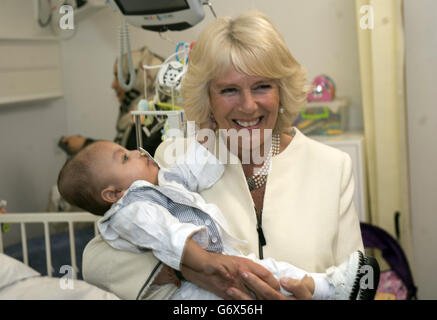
(349, 233)
(128, 275)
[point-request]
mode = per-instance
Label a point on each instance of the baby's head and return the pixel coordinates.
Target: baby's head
(99, 175)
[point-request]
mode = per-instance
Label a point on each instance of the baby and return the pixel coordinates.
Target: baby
(146, 207)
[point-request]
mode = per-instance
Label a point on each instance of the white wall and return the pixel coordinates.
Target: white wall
(421, 67)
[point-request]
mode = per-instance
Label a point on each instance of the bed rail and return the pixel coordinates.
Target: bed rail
(45, 219)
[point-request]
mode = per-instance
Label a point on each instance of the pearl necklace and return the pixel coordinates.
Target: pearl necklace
(260, 178)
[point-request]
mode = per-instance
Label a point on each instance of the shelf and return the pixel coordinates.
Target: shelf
(30, 69)
(30, 98)
(345, 136)
(334, 105)
(28, 38)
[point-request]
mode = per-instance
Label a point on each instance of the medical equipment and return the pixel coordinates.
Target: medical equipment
(162, 15)
(158, 16)
(124, 36)
(168, 82)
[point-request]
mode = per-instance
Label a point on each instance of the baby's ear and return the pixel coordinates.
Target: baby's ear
(111, 194)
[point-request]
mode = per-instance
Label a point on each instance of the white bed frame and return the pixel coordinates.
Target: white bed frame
(45, 219)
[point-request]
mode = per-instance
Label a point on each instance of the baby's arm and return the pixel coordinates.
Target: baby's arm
(200, 260)
(145, 225)
(281, 269)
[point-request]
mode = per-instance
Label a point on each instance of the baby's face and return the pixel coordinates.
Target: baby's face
(121, 167)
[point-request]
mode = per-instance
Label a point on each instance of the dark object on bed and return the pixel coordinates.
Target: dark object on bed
(60, 251)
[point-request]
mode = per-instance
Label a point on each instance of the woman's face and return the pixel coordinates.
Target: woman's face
(243, 102)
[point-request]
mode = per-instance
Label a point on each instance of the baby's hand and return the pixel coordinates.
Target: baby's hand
(221, 265)
(198, 259)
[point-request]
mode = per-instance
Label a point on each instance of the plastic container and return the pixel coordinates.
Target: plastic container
(323, 117)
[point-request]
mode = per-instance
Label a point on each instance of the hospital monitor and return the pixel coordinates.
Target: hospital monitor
(162, 15)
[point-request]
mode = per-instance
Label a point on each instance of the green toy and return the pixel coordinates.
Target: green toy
(5, 227)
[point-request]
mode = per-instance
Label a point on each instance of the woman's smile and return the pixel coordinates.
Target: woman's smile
(248, 124)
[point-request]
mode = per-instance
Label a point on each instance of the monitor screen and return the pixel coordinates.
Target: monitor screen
(146, 7)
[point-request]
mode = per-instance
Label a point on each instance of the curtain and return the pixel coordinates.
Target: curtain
(382, 69)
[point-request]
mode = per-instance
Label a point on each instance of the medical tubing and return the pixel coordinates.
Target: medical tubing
(124, 33)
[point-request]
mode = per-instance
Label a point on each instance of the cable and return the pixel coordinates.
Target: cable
(124, 34)
(49, 19)
(209, 4)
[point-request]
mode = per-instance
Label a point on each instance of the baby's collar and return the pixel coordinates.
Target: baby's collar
(135, 185)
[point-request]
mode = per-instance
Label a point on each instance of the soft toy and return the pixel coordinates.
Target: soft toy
(323, 89)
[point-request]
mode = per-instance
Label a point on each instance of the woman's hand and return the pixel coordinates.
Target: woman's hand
(222, 273)
(301, 289)
(214, 282)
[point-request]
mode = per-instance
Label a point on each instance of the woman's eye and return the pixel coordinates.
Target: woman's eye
(263, 87)
(125, 158)
(228, 90)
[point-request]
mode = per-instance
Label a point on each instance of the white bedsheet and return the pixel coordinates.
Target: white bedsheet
(46, 288)
(18, 282)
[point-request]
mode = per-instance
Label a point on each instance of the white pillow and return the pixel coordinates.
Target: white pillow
(12, 270)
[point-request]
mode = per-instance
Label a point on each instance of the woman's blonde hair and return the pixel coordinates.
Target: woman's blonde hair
(253, 46)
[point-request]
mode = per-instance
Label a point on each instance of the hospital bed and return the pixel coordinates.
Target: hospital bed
(48, 267)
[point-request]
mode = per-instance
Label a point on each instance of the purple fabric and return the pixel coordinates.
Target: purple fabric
(375, 237)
